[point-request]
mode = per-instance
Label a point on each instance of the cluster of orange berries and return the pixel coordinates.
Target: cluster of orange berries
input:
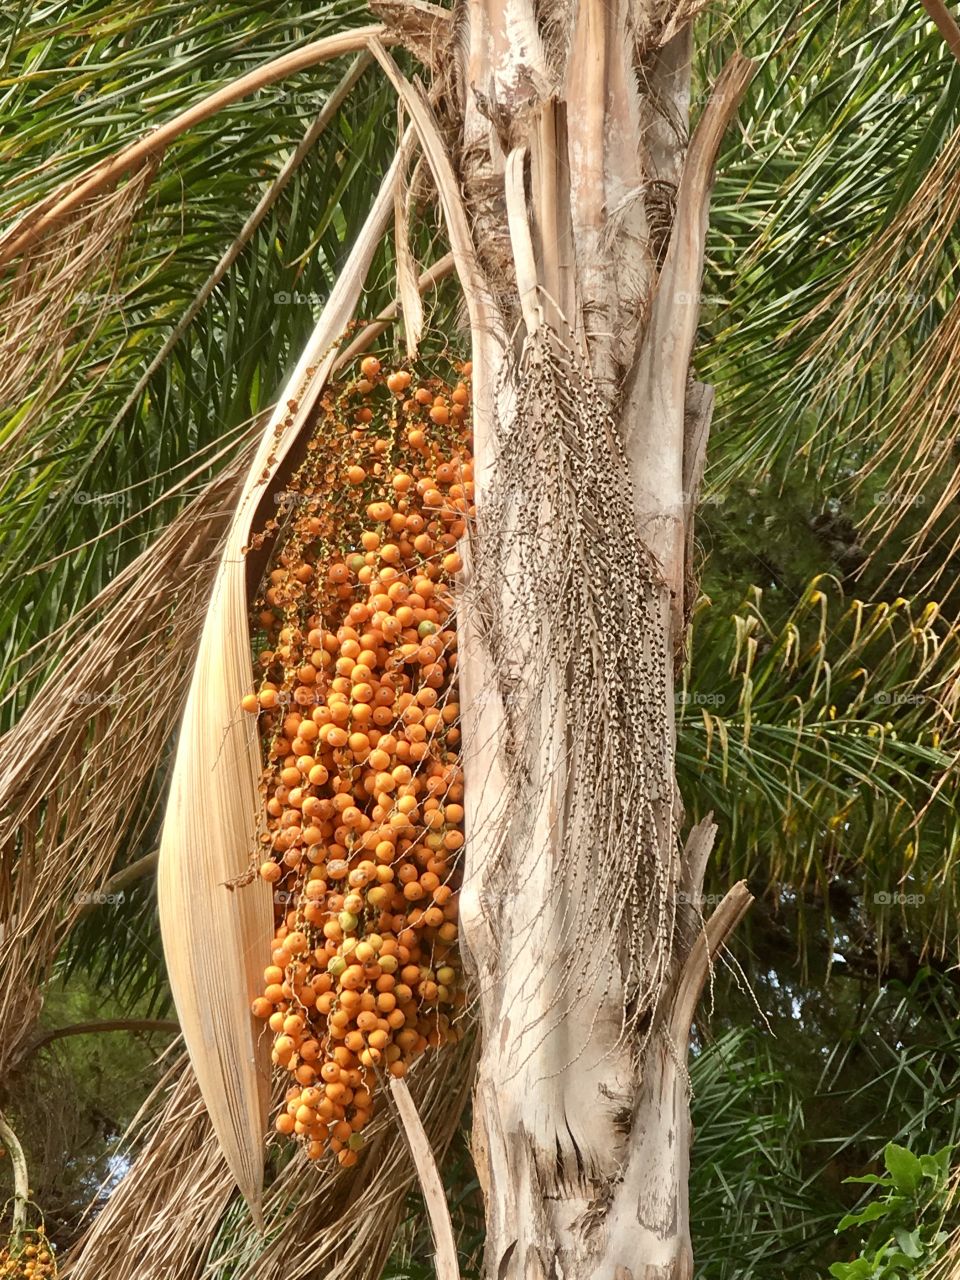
(363, 790)
(31, 1256)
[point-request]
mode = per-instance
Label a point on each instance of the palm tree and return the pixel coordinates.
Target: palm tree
(578, 257)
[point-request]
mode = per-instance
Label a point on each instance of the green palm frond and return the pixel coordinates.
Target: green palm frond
(828, 299)
(828, 748)
(783, 1119)
(109, 460)
(753, 1201)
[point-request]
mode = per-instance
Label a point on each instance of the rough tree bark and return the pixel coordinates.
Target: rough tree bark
(587, 205)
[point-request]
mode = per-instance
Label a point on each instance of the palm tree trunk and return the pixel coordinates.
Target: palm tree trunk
(588, 212)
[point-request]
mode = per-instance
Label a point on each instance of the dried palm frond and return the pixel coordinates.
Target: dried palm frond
(152, 1223)
(41, 297)
(175, 1216)
(907, 419)
(340, 1226)
(103, 714)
